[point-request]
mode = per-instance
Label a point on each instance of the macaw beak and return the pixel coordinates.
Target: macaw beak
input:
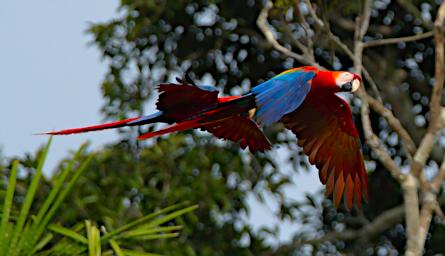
(356, 81)
(350, 86)
(355, 85)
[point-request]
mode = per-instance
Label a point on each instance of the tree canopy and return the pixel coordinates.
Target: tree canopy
(235, 45)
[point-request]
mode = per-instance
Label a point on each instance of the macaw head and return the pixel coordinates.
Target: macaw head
(334, 81)
(346, 81)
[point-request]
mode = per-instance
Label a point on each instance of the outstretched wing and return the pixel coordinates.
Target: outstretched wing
(282, 94)
(326, 132)
(240, 129)
(237, 128)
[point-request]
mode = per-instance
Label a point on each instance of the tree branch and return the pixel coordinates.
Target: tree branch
(409, 6)
(430, 204)
(264, 26)
(368, 232)
(375, 143)
(417, 230)
(394, 123)
(426, 214)
(440, 176)
(349, 25)
(356, 57)
(387, 41)
(417, 222)
(439, 75)
(371, 138)
(373, 84)
(412, 218)
(364, 21)
(429, 139)
(303, 22)
(323, 27)
(383, 222)
(343, 47)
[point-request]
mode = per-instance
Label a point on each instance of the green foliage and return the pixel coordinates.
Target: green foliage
(30, 234)
(88, 238)
(218, 41)
(153, 41)
(160, 40)
(126, 183)
(24, 236)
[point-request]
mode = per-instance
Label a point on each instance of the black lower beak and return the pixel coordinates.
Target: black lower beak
(346, 87)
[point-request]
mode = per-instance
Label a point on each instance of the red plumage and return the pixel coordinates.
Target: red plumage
(302, 98)
(193, 107)
(325, 130)
(91, 128)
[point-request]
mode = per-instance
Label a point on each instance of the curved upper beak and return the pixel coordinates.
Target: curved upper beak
(355, 85)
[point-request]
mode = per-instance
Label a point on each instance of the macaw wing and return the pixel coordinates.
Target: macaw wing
(224, 122)
(240, 129)
(327, 134)
(178, 101)
(281, 95)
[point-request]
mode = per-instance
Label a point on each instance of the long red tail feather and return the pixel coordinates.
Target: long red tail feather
(186, 125)
(110, 125)
(193, 107)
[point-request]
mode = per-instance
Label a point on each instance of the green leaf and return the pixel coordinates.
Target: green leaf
(171, 216)
(13, 248)
(94, 246)
(135, 253)
(49, 215)
(58, 185)
(144, 231)
(38, 225)
(5, 227)
(69, 233)
(140, 221)
(116, 248)
(157, 236)
(44, 241)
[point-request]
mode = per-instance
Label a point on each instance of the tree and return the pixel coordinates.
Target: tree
(397, 47)
(33, 232)
(417, 213)
(389, 43)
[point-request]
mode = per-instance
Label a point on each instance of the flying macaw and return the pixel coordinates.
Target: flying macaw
(304, 99)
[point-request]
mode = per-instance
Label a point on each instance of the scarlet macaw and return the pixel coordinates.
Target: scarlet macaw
(304, 99)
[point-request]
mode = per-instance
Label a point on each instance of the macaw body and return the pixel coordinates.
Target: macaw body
(303, 99)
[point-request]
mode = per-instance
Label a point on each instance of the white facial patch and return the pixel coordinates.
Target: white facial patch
(343, 78)
(347, 77)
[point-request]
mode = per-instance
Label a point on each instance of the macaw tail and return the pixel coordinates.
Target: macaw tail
(187, 125)
(216, 115)
(192, 107)
(153, 118)
(228, 120)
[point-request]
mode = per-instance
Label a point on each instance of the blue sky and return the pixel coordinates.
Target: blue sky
(49, 76)
(49, 79)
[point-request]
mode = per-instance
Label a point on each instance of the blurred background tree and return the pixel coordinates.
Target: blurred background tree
(235, 45)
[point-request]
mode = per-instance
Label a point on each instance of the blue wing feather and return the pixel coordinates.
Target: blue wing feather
(144, 119)
(207, 88)
(281, 95)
